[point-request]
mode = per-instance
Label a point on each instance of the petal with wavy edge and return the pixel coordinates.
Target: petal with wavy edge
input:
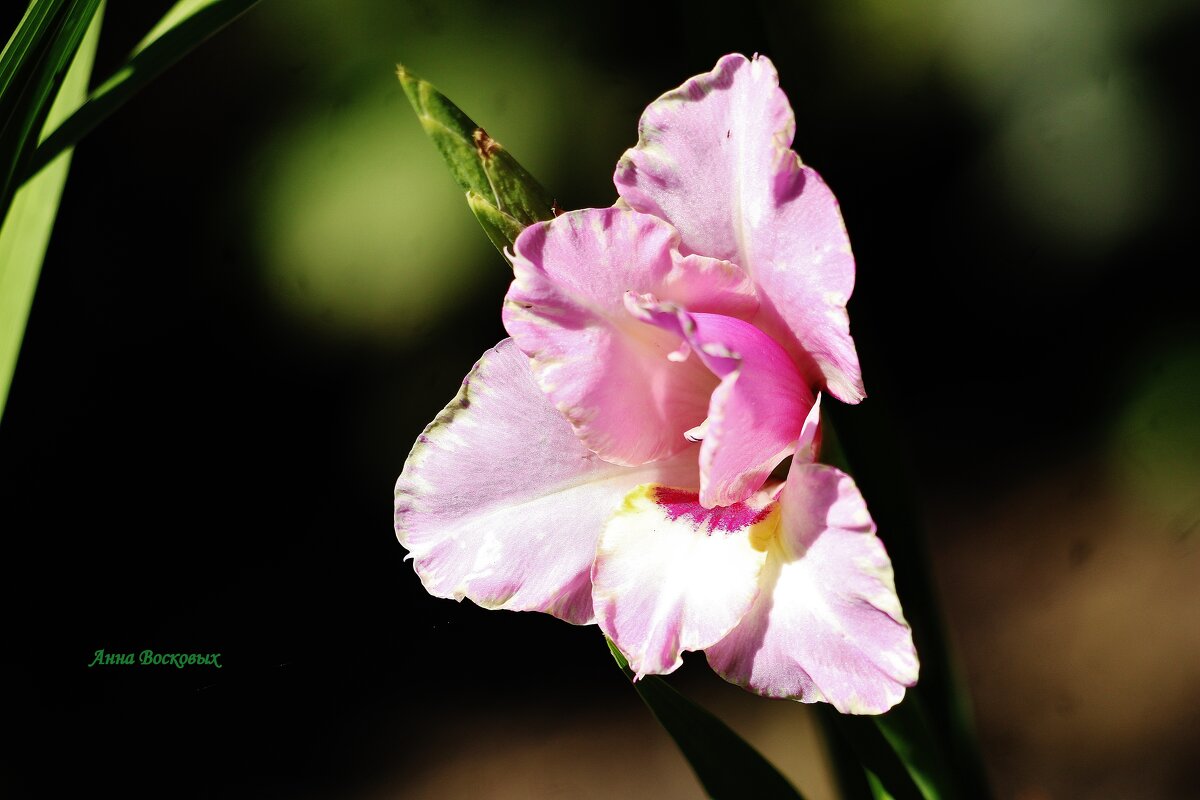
(671, 575)
(827, 625)
(605, 371)
(714, 159)
(519, 538)
(756, 413)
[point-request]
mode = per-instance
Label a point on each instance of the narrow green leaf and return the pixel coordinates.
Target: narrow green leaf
(25, 232)
(186, 25)
(37, 65)
(35, 27)
(876, 754)
(931, 731)
(503, 195)
(876, 787)
(727, 767)
(34, 64)
(909, 731)
(853, 780)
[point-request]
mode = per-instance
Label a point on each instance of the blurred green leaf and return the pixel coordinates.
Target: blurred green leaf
(915, 742)
(910, 732)
(503, 195)
(875, 786)
(931, 732)
(25, 232)
(32, 68)
(853, 781)
(187, 24)
(896, 767)
(727, 767)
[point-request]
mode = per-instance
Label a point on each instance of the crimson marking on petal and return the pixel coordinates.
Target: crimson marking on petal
(685, 504)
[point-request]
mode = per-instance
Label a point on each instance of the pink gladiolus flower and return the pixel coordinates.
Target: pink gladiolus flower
(610, 463)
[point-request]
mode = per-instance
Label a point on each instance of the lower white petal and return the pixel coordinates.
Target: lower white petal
(671, 575)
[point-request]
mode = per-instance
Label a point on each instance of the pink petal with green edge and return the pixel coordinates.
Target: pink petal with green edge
(606, 372)
(827, 625)
(671, 575)
(755, 414)
(714, 159)
(500, 503)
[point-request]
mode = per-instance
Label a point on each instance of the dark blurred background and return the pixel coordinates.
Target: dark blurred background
(262, 284)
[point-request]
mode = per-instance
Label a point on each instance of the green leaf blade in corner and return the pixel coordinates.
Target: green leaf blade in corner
(187, 24)
(33, 67)
(504, 197)
(727, 767)
(25, 232)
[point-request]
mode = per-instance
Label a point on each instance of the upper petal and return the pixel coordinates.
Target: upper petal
(671, 575)
(713, 158)
(519, 538)
(606, 372)
(827, 625)
(756, 413)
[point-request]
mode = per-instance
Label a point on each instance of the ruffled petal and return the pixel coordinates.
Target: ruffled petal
(671, 575)
(755, 414)
(713, 158)
(500, 503)
(607, 373)
(827, 625)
